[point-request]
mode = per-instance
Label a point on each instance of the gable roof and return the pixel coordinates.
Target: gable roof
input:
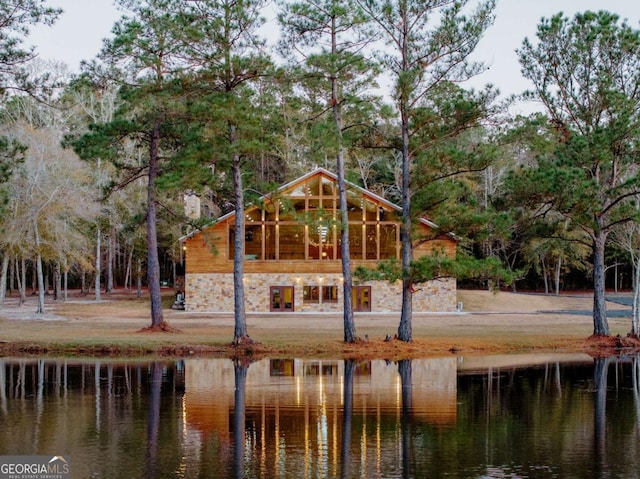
(317, 172)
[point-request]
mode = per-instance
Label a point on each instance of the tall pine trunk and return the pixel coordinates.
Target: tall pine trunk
(349, 324)
(240, 334)
(406, 314)
(153, 261)
(350, 335)
(600, 322)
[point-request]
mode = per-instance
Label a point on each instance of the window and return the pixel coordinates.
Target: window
(291, 242)
(305, 225)
(310, 294)
(282, 298)
(282, 367)
(329, 294)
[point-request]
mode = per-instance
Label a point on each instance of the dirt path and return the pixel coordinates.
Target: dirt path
(502, 322)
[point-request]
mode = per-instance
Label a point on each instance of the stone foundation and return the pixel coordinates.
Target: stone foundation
(214, 293)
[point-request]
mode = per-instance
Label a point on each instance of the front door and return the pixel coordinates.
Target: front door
(361, 298)
(282, 298)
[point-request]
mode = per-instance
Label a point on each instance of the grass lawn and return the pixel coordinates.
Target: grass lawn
(490, 323)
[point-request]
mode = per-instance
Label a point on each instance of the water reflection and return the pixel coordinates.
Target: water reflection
(504, 416)
(347, 414)
(239, 425)
(153, 420)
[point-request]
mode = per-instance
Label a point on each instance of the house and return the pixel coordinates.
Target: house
(292, 253)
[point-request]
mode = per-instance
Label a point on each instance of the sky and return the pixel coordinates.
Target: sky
(79, 31)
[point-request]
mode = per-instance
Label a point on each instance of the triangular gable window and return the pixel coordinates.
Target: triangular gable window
(302, 223)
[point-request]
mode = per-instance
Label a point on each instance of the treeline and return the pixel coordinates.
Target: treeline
(188, 97)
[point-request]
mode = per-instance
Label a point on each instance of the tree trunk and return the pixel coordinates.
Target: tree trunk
(545, 276)
(635, 316)
(557, 279)
(34, 279)
(98, 264)
(23, 289)
(153, 262)
(12, 276)
(127, 276)
(139, 280)
(20, 279)
(45, 271)
(350, 335)
(3, 278)
(39, 273)
(404, 328)
(57, 282)
(173, 272)
(600, 322)
(110, 249)
(240, 334)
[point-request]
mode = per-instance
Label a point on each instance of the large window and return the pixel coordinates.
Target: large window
(313, 294)
(304, 225)
(291, 238)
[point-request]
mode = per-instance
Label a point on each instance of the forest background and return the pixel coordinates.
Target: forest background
(186, 99)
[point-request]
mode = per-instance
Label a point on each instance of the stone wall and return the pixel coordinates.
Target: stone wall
(214, 293)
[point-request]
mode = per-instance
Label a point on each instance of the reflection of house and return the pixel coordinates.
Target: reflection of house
(292, 253)
(295, 391)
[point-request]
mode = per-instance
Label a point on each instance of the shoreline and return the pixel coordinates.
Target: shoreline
(498, 323)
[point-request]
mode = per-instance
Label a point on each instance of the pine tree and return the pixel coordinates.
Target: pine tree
(427, 42)
(586, 73)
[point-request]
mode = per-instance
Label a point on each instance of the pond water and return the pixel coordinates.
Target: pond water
(519, 416)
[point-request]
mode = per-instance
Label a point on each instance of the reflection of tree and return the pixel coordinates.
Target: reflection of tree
(240, 368)
(635, 377)
(153, 420)
(404, 369)
(600, 371)
(3, 388)
(552, 379)
(349, 369)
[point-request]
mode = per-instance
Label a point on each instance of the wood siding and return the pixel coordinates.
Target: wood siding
(207, 252)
